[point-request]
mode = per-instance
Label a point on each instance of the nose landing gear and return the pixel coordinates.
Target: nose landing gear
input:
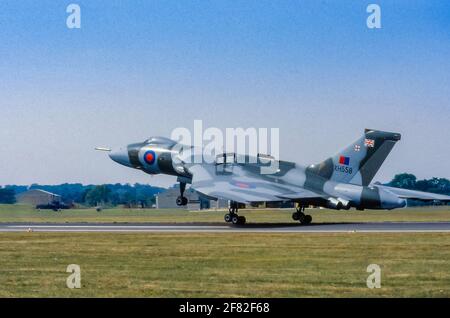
(182, 200)
(232, 216)
(300, 216)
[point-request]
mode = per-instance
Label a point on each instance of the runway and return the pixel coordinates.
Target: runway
(385, 227)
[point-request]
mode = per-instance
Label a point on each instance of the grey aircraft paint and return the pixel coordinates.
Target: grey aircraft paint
(339, 182)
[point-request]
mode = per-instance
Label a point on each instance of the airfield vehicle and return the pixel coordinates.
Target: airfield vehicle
(55, 206)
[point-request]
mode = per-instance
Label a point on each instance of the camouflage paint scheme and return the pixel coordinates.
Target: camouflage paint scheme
(339, 182)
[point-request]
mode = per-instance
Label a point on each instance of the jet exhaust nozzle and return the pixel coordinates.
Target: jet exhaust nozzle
(338, 204)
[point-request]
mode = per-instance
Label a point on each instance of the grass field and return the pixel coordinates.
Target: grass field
(23, 213)
(224, 264)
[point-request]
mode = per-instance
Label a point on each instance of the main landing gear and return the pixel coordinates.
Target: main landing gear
(232, 216)
(182, 200)
(299, 215)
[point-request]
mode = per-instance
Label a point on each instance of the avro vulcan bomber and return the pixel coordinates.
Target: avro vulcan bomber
(340, 182)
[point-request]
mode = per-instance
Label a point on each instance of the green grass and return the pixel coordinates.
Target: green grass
(224, 264)
(23, 213)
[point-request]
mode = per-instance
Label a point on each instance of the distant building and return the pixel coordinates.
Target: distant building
(167, 199)
(273, 205)
(218, 204)
(280, 204)
(37, 196)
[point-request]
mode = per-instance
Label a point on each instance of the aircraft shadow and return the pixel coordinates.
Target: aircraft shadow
(274, 225)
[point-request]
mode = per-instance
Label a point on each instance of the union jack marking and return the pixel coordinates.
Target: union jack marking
(369, 143)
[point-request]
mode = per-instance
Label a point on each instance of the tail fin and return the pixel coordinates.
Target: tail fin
(359, 162)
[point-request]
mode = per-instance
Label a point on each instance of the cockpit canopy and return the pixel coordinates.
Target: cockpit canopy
(160, 141)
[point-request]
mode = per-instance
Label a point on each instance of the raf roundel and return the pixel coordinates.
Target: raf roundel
(149, 157)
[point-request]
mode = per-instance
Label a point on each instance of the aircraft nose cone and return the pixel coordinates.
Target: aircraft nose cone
(120, 156)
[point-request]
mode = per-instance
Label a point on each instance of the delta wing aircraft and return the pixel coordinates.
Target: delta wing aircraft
(339, 182)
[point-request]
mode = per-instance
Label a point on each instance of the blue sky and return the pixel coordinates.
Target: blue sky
(142, 68)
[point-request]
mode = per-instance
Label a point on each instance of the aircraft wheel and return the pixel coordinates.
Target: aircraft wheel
(307, 219)
(301, 218)
(181, 201)
(227, 217)
(235, 219)
(295, 216)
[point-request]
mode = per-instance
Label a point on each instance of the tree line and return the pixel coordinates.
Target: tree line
(409, 181)
(91, 195)
(144, 195)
